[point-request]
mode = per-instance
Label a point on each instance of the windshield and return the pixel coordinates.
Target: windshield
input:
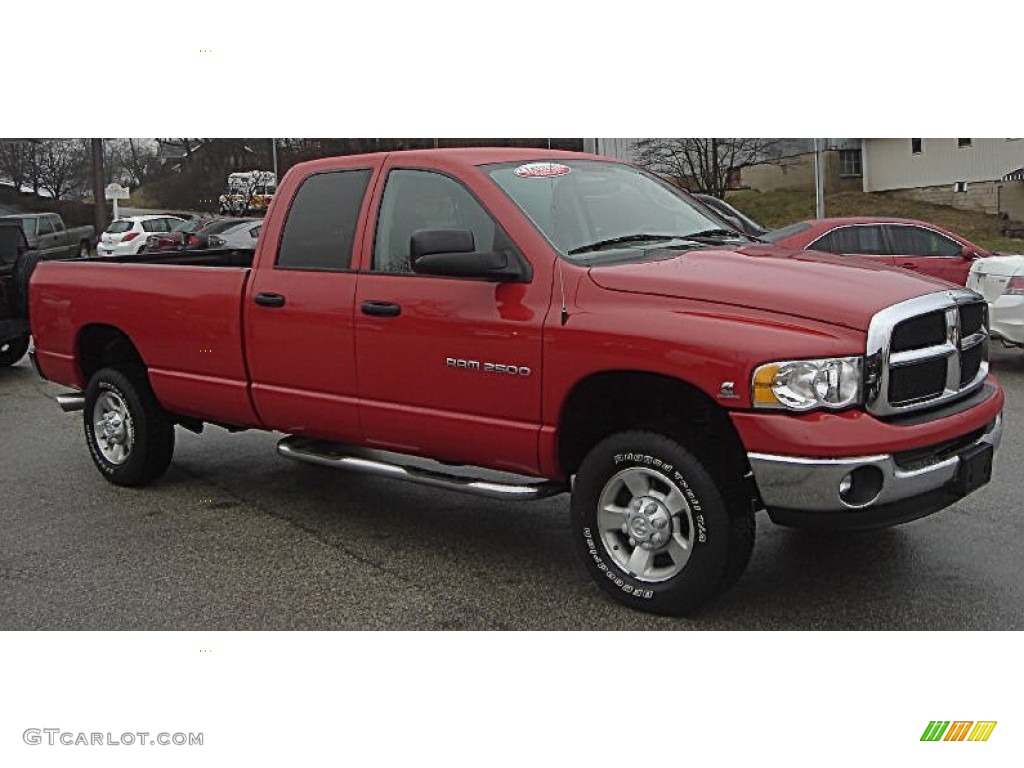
(583, 206)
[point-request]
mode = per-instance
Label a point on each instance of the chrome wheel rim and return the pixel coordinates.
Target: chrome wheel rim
(646, 524)
(112, 428)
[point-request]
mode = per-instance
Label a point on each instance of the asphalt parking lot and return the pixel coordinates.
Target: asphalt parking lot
(235, 538)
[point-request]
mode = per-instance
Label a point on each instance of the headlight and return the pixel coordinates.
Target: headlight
(800, 385)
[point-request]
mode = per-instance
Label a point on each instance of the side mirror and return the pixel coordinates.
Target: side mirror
(968, 252)
(427, 242)
(451, 253)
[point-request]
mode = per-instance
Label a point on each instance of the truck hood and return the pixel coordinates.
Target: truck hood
(834, 289)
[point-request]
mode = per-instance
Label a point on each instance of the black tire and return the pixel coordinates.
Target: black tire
(144, 427)
(23, 269)
(12, 350)
(676, 579)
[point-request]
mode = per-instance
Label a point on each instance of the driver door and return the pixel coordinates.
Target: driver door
(448, 368)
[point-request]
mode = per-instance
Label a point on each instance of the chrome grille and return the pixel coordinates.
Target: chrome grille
(926, 352)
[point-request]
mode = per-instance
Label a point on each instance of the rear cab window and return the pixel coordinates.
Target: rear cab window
(321, 223)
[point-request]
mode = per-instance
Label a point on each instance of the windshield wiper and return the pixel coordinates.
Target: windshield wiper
(639, 238)
(715, 234)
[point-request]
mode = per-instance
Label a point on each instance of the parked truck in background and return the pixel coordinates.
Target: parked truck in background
(565, 318)
(47, 234)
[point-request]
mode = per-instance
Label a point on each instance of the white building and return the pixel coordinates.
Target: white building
(977, 174)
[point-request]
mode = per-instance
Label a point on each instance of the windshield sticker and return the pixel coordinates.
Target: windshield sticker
(541, 170)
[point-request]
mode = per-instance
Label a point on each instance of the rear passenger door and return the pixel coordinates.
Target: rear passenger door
(929, 252)
(863, 240)
(299, 310)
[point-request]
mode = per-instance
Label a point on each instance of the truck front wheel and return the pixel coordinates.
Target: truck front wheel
(653, 528)
(130, 438)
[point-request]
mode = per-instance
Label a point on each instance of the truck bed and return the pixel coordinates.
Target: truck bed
(211, 257)
(182, 311)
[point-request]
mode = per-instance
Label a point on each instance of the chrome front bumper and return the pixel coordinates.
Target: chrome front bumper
(813, 485)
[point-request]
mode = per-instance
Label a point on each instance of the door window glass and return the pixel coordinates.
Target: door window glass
(321, 223)
(918, 241)
(424, 200)
(852, 240)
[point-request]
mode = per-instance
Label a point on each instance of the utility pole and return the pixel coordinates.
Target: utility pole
(100, 206)
(273, 152)
(714, 169)
(819, 180)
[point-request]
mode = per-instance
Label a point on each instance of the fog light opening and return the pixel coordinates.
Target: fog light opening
(861, 486)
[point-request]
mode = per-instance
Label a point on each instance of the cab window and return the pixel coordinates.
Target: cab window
(425, 200)
(321, 222)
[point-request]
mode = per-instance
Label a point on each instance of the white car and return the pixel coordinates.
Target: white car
(241, 237)
(127, 236)
(1000, 279)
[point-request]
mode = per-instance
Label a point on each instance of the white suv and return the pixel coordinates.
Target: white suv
(127, 236)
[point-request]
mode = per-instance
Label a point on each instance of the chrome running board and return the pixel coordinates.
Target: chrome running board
(359, 460)
(73, 401)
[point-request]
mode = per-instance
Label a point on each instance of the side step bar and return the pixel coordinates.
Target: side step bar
(73, 401)
(356, 460)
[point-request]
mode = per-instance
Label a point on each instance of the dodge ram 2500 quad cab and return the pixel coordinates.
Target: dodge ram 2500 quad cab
(568, 319)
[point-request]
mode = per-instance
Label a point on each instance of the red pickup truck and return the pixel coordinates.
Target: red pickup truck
(560, 322)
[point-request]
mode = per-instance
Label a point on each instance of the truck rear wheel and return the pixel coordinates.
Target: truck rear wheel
(652, 527)
(12, 350)
(130, 438)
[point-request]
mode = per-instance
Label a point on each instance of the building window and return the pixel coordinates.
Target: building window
(849, 162)
(915, 146)
(963, 142)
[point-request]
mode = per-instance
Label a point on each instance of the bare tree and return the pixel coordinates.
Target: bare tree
(15, 163)
(130, 161)
(63, 166)
(705, 163)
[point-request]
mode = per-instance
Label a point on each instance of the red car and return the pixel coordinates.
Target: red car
(906, 243)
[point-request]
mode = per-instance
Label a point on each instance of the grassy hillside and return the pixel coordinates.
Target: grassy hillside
(776, 209)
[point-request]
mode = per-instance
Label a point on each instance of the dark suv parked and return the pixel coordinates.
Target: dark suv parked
(16, 264)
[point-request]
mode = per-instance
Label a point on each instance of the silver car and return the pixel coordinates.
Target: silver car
(240, 237)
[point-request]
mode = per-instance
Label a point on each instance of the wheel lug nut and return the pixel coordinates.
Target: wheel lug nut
(657, 539)
(632, 541)
(651, 509)
(625, 527)
(659, 522)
